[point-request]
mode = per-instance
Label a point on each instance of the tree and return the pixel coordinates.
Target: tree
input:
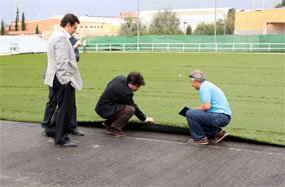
(230, 21)
(199, 29)
(226, 25)
(23, 22)
(37, 29)
(129, 28)
(16, 23)
(204, 29)
(189, 30)
(166, 23)
(282, 4)
(2, 28)
(223, 26)
(17, 18)
(10, 29)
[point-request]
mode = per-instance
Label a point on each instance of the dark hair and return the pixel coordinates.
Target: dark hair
(135, 78)
(69, 18)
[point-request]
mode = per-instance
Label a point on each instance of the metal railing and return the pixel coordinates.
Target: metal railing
(188, 47)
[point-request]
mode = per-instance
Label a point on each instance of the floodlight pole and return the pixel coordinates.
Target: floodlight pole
(215, 32)
(138, 27)
(184, 28)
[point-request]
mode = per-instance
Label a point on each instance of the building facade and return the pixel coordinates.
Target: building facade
(89, 26)
(190, 17)
(255, 22)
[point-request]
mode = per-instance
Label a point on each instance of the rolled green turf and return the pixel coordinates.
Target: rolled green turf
(253, 84)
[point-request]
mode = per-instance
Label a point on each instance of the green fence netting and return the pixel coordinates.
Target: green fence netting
(266, 43)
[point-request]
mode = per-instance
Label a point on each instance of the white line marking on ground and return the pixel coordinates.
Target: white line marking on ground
(211, 146)
(183, 143)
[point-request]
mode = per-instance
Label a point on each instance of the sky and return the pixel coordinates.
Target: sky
(42, 9)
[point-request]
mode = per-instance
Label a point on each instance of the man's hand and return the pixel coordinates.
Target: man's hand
(77, 44)
(205, 106)
(150, 120)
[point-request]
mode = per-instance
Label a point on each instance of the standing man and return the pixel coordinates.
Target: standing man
(63, 76)
(116, 104)
(51, 104)
(84, 45)
(214, 112)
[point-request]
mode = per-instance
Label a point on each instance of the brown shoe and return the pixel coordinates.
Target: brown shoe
(220, 136)
(203, 141)
(114, 131)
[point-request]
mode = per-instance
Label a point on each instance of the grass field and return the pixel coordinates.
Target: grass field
(253, 84)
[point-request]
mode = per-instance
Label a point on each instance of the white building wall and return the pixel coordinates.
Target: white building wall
(22, 44)
(187, 17)
(111, 20)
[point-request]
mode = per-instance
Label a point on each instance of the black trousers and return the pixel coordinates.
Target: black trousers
(50, 111)
(60, 126)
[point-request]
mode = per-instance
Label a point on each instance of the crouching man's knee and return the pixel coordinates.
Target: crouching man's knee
(191, 113)
(130, 110)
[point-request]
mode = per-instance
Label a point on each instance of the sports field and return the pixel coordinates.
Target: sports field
(253, 84)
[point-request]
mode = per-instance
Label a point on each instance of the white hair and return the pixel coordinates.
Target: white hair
(197, 75)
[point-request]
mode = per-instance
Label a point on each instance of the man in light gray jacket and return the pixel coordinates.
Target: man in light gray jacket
(63, 76)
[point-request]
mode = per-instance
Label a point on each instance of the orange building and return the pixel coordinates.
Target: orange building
(255, 22)
(19, 32)
(125, 15)
(89, 26)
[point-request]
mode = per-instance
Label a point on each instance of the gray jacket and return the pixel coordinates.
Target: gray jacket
(61, 61)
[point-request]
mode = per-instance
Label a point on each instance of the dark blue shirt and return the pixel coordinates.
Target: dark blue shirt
(73, 40)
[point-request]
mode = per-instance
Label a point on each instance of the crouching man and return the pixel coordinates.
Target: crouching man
(214, 112)
(116, 104)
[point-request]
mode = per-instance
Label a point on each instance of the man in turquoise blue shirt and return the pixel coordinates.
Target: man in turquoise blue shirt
(206, 120)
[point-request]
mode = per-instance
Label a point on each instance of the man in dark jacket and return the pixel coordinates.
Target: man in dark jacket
(116, 104)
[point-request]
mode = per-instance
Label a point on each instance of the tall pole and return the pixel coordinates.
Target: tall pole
(138, 25)
(184, 29)
(224, 26)
(215, 32)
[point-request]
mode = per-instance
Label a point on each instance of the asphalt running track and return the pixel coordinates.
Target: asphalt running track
(140, 159)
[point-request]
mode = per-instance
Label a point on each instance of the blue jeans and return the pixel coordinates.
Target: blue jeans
(205, 124)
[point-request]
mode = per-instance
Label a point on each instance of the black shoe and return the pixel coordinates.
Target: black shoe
(68, 144)
(44, 133)
(76, 132)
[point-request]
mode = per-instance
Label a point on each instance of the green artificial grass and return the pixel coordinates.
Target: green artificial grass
(253, 84)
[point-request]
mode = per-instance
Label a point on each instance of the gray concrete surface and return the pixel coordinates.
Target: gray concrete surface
(139, 159)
